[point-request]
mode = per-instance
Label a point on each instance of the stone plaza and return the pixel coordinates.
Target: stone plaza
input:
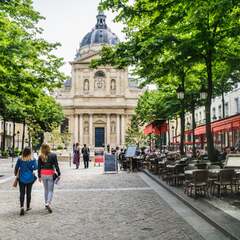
(89, 204)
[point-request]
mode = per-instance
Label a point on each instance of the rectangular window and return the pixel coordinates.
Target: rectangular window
(237, 105)
(214, 114)
(226, 109)
(196, 117)
(219, 111)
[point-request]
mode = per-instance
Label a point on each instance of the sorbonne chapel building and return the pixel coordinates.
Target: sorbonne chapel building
(98, 103)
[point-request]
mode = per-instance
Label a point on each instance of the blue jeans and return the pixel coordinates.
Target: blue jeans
(48, 185)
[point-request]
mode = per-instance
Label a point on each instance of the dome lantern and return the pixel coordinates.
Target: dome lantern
(99, 35)
(101, 21)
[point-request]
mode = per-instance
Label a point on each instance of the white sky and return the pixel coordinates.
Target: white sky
(68, 21)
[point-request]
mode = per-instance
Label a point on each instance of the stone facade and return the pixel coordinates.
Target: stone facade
(98, 103)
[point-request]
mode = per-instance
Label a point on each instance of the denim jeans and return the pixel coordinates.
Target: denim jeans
(48, 185)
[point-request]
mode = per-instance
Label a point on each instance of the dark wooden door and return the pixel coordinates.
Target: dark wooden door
(99, 137)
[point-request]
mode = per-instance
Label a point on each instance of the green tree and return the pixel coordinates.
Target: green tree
(204, 32)
(28, 68)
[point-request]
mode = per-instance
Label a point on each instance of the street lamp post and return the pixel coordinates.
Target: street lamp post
(210, 145)
(180, 96)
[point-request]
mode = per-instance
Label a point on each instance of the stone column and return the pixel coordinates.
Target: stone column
(91, 129)
(118, 129)
(123, 130)
(81, 129)
(108, 129)
(75, 128)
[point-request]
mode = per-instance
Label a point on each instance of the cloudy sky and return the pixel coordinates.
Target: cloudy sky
(67, 21)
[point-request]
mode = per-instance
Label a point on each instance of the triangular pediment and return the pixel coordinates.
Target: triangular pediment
(99, 122)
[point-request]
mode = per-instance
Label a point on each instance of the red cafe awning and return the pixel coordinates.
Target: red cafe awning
(156, 128)
(225, 124)
(200, 130)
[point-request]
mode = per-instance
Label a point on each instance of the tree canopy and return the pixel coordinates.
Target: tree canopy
(28, 68)
(175, 43)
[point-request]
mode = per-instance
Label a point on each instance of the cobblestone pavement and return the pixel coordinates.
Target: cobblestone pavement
(91, 205)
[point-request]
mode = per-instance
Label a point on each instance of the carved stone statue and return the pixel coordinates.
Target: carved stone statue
(86, 85)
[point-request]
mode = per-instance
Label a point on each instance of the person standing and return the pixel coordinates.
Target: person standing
(76, 155)
(85, 153)
(47, 164)
(24, 168)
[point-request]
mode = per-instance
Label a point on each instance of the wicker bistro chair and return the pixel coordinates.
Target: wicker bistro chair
(188, 178)
(237, 181)
(199, 183)
(169, 175)
(226, 178)
(178, 174)
(164, 172)
(212, 177)
(162, 165)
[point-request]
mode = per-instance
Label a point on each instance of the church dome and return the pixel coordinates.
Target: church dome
(100, 34)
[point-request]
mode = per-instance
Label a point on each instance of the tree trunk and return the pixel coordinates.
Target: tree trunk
(210, 144)
(193, 131)
(13, 143)
(182, 118)
(23, 135)
(4, 136)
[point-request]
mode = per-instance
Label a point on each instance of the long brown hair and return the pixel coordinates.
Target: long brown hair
(27, 154)
(44, 151)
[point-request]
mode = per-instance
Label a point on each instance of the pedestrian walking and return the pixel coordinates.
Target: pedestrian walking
(48, 172)
(24, 168)
(76, 155)
(86, 154)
